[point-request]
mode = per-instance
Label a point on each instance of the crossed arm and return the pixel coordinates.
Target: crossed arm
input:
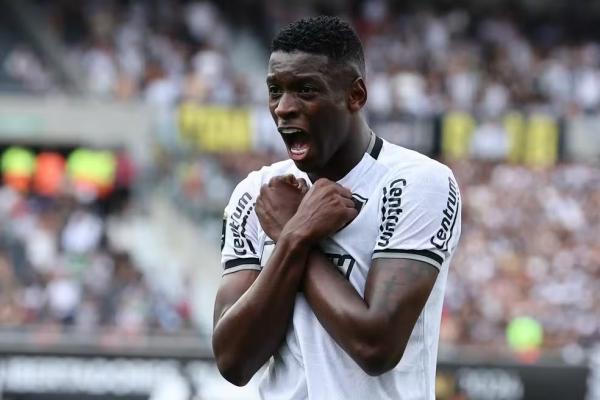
(252, 311)
(373, 330)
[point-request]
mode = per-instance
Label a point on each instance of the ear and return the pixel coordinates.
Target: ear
(357, 95)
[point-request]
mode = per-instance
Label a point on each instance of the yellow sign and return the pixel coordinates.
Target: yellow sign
(542, 141)
(215, 128)
(515, 124)
(533, 141)
(457, 131)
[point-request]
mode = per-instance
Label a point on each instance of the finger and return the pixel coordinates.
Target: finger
(344, 191)
(351, 213)
(347, 217)
(290, 179)
(322, 182)
(312, 190)
(275, 180)
(348, 203)
(302, 185)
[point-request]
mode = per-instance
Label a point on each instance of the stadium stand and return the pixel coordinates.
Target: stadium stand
(510, 100)
(422, 65)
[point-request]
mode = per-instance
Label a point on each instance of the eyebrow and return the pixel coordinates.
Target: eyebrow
(306, 76)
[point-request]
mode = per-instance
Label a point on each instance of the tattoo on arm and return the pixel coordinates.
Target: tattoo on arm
(402, 281)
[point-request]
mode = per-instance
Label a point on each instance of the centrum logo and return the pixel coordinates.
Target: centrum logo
(237, 224)
(391, 208)
(444, 234)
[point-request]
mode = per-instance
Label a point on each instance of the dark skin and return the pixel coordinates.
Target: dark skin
(324, 100)
(253, 310)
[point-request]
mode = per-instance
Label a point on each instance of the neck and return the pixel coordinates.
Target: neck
(347, 156)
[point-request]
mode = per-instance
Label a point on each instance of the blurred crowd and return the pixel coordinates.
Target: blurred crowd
(419, 63)
(160, 52)
(529, 247)
(67, 261)
(530, 243)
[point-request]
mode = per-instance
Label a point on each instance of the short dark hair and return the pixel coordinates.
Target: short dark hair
(329, 36)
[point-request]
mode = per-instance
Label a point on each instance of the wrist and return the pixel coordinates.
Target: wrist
(296, 239)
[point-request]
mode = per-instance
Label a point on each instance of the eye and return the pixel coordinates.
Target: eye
(307, 89)
(274, 91)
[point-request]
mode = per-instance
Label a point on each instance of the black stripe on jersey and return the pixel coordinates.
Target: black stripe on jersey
(223, 231)
(376, 147)
(423, 253)
(236, 262)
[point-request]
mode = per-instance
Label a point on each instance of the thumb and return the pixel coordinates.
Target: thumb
(302, 185)
(290, 179)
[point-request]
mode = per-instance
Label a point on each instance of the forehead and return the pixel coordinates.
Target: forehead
(298, 63)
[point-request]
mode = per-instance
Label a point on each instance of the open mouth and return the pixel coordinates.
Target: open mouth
(297, 142)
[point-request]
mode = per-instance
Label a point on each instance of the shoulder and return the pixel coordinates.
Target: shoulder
(413, 167)
(256, 179)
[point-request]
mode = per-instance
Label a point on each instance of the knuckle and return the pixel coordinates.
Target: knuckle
(323, 182)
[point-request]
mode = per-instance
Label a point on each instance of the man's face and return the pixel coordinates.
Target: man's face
(308, 104)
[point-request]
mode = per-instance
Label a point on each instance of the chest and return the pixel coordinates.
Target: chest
(350, 249)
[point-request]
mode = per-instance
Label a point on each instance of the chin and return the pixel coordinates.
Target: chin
(305, 166)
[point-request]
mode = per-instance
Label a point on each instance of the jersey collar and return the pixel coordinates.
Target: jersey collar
(375, 146)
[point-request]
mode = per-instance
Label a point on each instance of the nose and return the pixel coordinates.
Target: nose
(287, 107)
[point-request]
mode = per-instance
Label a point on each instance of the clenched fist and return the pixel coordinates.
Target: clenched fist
(278, 201)
(325, 208)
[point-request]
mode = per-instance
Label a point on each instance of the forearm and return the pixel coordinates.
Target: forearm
(356, 326)
(250, 331)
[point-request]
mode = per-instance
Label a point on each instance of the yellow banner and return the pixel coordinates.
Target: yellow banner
(532, 139)
(215, 129)
(457, 132)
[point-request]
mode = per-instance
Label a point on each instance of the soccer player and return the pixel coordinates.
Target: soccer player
(335, 261)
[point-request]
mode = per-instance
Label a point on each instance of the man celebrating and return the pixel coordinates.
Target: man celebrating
(335, 261)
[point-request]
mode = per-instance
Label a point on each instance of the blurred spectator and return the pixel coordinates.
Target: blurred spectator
(419, 63)
(65, 263)
(530, 243)
(529, 247)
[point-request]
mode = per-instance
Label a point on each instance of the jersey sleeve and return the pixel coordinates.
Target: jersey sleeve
(419, 216)
(239, 235)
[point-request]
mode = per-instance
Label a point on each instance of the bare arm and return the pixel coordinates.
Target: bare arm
(374, 331)
(252, 310)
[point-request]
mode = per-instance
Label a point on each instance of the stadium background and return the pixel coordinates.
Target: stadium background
(124, 126)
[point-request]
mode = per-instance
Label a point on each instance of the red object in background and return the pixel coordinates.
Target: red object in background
(49, 174)
(529, 356)
(125, 170)
(19, 183)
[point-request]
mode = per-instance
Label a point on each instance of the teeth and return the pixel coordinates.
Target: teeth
(288, 131)
(298, 151)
